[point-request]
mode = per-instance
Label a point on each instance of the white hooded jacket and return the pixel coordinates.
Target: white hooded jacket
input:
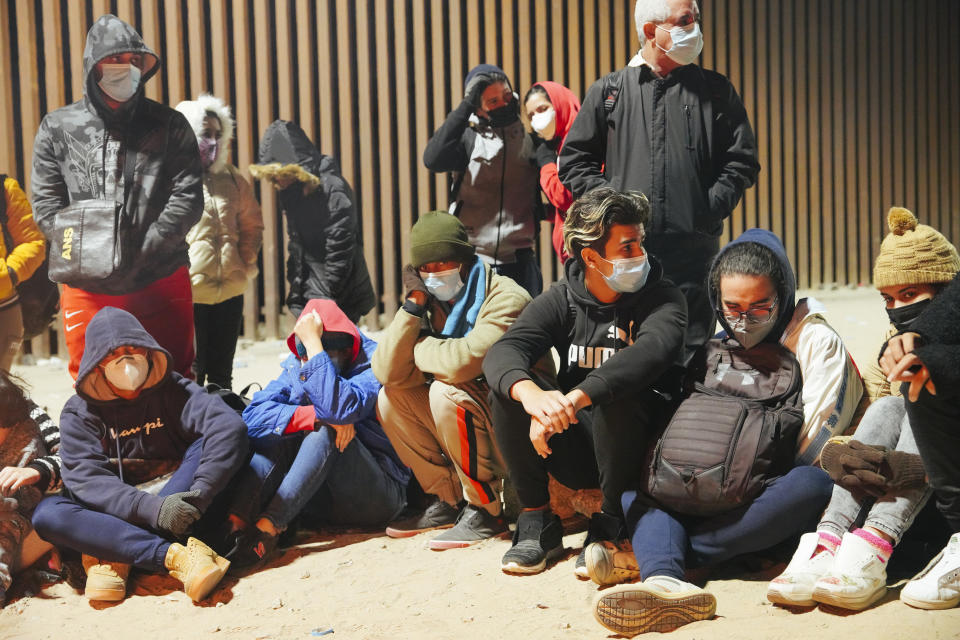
(832, 387)
(225, 243)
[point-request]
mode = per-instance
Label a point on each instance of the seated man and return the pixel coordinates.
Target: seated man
(317, 444)
(433, 404)
(618, 327)
(133, 415)
(927, 361)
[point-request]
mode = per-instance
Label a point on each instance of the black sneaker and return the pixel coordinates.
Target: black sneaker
(253, 549)
(474, 524)
(439, 515)
(603, 527)
(537, 540)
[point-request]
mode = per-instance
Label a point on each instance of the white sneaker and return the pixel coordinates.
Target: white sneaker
(858, 577)
(659, 603)
(938, 585)
(794, 587)
(611, 562)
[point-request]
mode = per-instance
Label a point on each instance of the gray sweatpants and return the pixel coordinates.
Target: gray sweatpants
(885, 423)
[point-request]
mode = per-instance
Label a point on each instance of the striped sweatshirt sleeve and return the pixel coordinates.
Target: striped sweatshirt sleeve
(48, 465)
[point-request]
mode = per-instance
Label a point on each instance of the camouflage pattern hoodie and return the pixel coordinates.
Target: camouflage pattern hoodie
(80, 151)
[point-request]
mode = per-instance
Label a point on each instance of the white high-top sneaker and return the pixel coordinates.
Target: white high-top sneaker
(794, 587)
(858, 577)
(938, 585)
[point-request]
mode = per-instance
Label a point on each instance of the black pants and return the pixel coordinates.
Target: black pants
(217, 327)
(935, 421)
(525, 271)
(686, 261)
(605, 449)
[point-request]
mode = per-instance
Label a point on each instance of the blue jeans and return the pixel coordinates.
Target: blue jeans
(66, 522)
(662, 542)
(306, 472)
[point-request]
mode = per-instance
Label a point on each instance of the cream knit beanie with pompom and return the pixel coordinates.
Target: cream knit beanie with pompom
(913, 253)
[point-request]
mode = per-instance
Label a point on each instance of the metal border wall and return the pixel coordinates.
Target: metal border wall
(855, 103)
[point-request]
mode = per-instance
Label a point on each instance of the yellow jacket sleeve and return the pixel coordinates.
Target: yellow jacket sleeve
(28, 250)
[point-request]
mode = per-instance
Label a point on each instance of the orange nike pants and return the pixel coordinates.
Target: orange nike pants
(164, 308)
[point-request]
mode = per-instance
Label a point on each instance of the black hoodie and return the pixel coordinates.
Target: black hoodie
(325, 250)
(168, 415)
(636, 338)
(79, 154)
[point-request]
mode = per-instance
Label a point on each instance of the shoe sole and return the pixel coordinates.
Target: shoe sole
(781, 598)
(201, 586)
(631, 610)
(409, 533)
(105, 595)
(601, 568)
(527, 570)
(442, 545)
(858, 603)
(930, 605)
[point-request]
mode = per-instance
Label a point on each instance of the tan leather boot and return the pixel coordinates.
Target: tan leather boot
(197, 566)
(105, 580)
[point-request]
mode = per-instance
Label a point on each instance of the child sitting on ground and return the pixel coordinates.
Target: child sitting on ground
(317, 444)
(132, 410)
(26, 470)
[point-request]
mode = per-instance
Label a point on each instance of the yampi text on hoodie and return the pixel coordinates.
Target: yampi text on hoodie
(146, 428)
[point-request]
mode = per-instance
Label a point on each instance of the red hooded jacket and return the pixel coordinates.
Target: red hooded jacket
(566, 106)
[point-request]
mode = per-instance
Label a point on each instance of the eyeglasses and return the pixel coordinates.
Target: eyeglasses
(753, 315)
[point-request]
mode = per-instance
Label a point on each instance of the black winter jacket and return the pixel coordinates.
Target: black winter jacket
(605, 350)
(684, 141)
(325, 251)
(939, 327)
(79, 154)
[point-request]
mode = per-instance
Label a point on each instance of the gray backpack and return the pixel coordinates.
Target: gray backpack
(735, 431)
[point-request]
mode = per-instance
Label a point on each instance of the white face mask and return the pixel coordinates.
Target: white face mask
(545, 123)
(119, 81)
(127, 372)
(629, 274)
(443, 285)
(687, 43)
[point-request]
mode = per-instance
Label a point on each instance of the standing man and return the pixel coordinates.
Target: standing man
(676, 132)
(495, 192)
(120, 154)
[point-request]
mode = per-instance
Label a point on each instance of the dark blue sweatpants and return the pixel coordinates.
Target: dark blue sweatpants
(664, 542)
(64, 522)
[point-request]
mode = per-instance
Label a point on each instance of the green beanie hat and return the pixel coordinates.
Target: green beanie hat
(438, 237)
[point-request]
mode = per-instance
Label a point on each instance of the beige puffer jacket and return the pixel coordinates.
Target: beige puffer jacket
(225, 243)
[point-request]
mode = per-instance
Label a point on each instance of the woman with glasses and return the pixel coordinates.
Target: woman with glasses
(752, 288)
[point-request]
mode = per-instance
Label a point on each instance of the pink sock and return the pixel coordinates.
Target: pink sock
(884, 548)
(827, 542)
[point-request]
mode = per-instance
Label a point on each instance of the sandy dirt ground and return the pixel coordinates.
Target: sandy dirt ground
(364, 585)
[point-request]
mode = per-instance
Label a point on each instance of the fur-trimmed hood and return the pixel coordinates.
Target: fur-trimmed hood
(196, 110)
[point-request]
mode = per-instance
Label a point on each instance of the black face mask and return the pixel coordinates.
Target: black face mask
(505, 115)
(903, 317)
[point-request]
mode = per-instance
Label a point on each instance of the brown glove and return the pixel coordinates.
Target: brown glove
(848, 461)
(899, 470)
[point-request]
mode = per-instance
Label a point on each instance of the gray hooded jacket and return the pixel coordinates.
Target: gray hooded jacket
(80, 151)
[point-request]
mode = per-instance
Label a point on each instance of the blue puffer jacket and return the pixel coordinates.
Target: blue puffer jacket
(350, 398)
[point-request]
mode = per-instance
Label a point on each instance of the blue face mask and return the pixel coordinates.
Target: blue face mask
(443, 285)
(629, 274)
(119, 81)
